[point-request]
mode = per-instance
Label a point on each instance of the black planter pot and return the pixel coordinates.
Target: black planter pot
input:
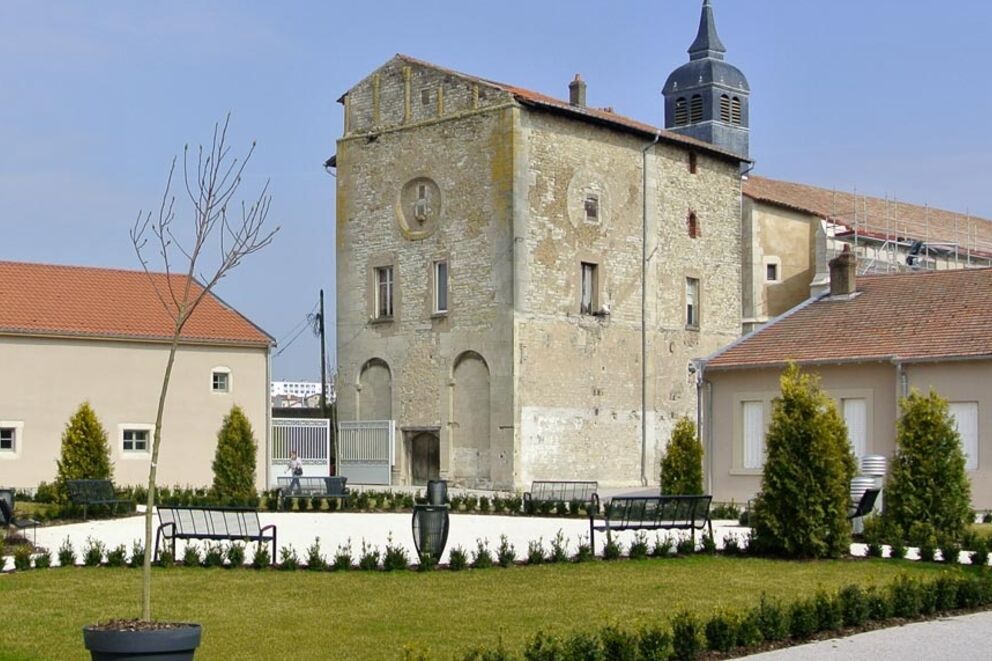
(177, 644)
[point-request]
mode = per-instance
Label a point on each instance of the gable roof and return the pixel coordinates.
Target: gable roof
(49, 299)
(907, 316)
(584, 113)
(873, 213)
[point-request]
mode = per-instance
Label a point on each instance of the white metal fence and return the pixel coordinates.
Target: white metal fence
(365, 451)
(310, 437)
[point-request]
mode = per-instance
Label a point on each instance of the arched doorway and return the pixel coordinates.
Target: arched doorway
(425, 456)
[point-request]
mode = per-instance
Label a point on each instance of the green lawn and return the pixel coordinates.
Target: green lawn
(361, 615)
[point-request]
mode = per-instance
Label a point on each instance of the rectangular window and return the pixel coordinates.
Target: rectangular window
(965, 416)
(692, 302)
(135, 440)
(771, 272)
(587, 304)
(592, 208)
(692, 162)
(753, 425)
(221, 381)
(384, 292)
(856, 418)
(440, 287)
(8, 439)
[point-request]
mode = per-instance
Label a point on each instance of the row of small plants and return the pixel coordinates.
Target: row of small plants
(975, 547)
(687, 636)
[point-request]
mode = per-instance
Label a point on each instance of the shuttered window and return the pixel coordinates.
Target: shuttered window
(965, 415)
(753, 423)
(735, 111)
(725, 108)
(856, 418)
(696, 109)
(681, 111)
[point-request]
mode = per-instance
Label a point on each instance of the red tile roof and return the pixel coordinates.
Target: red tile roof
(909, 316)
(48, 299)
(877, 217)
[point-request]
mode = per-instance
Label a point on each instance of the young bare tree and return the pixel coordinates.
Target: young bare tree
(219, 234)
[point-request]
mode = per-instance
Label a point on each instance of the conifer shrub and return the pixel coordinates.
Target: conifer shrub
(342, 557)
(535, 552)
(43, 560)
(506, 555)
(290, 561)
(853, 606)
(66, 554)
(457, 559)
(927, 482)
(682, 463)
(801, 510)
(22, 557)
(559, 548)
(315, 558)
(234, 460)
(235, 555)
(85, 453)
(721, 632)
(483, 557)
(687, 636)
(639, 547)
(117, 556)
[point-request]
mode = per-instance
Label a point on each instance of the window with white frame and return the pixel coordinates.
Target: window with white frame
(692, 302)
(587, 302)
(8, 439)
(855, 412)
(965, 416)
(135, 440)
(384, 292)
(220, 380)
(440, 287)
(753, 436)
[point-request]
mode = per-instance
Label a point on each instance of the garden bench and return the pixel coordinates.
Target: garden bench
(321, 487)
(214, 524)
(562, 491)
(93, 492)
(652, 513)
(7, 518)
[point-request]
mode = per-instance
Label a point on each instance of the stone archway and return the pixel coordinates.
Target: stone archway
(470, 434)
(424, 448)
(375, 391)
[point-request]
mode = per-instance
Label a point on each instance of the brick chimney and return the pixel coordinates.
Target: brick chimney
(577, 92)
(843, 273)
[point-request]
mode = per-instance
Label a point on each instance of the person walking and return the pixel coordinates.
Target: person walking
(295, 469)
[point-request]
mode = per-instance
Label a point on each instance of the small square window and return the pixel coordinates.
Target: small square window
(135, 440)
(221, 381)
(771, 272)
(8, 439)
(692, 303)
(592, 208)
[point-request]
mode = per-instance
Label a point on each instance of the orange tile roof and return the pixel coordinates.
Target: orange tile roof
(909, 316)
(48, 299)
(873, 214)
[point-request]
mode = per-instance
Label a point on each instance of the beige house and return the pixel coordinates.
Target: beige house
(73, 334)
(490, 243)
(790, 231)
(871, 339)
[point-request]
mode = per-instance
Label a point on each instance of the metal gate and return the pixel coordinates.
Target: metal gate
(310, 437)
(365, 451)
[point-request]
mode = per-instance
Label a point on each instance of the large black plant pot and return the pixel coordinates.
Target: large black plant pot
(177, 643)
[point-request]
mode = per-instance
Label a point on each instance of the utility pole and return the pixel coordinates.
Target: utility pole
(323, 360)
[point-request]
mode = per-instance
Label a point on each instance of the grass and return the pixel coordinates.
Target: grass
(361, 615)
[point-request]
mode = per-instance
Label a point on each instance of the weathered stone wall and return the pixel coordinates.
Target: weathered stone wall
(579, 376)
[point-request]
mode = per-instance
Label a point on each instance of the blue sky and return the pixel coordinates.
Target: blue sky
(891, 97)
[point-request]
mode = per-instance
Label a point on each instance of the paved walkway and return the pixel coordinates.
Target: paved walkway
(962, 638)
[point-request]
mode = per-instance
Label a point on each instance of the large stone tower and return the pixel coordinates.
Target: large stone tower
(707, 98)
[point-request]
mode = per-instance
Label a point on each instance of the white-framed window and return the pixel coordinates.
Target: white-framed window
(440, 286)
(587, 301)
(855, 411)
(220, 379)
(692, 302)
(965, 416)
(11, 438)
(135, 439)
(8, 439)
(383, 292)
(753, 434)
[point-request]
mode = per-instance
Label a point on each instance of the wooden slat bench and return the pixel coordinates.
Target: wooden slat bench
(93, 492)
(652, 513)
(321, 487)
(212, 523)
(562, 491)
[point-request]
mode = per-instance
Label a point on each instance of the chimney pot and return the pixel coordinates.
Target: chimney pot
(843, 273)
(577, 92)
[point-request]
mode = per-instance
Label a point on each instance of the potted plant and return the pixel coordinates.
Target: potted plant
(211, 181)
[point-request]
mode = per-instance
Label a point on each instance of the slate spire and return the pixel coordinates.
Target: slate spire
(707, 43)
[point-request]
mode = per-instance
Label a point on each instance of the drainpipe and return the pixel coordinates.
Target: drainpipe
(644, 307)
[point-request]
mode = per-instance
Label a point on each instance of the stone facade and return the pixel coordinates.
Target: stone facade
(516, 380)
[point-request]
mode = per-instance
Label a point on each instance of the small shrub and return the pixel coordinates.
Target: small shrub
(559, 548)
(117, 556)
(213, 555)
(85, 452)
(950, 551)
(456, 503)
(905, 597)
(879, 606)
(617, 644)
(771, 620)
(471, 503)
(235, 555)
(506, 555)
(980, 556)
(928, 550)
(234, 459)
(262, 558)
(662, 546)
(165, 558)
(546, 507)
(342, 557)
(191, 555)
(137, 554)
(654, 643)
(499, 505)
(829, 612)
(639, 547)
(544, 647)
(515, 504)
(728, 511)
(395, 558)
(802, 619)
(535, 552)
(561, 508)
(874, 549)
(43, 560)
(709, 545)
(744, 520)
(721, 632)
(853, 606)
(457, 559)
(897, 549)
(686, 546)
(22, 557)
(482, 558)
(484, 504)
(583, 646)
(288, 559)
(315, 558)
(945, 593)
(613, 549)
(986, 518)
(682, 463)
(66, 554)
(369, 557)
(731, 546)
(93, 552)
(748, 631)
(583, 551)
(686, 636)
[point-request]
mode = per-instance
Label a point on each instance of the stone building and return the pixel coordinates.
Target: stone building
(501, 256)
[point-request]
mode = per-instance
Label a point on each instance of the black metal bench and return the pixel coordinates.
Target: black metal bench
(93, 492)
(309, 487)
(690, 513)
(212, 523)
(562, 491)
(7, 518)
(865, 506)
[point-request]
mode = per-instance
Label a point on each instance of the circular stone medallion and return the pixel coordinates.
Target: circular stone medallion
(418, 208)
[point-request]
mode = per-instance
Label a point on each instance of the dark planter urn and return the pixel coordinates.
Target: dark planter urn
(177, 643)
